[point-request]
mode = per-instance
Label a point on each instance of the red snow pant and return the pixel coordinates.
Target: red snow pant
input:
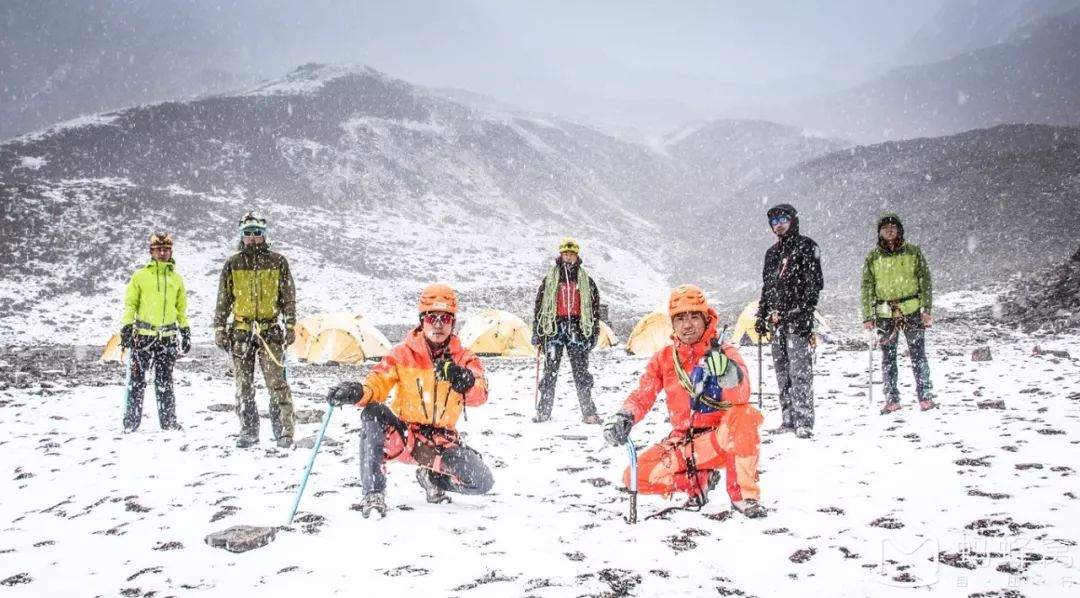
(732, 447)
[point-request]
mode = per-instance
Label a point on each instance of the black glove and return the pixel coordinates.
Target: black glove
(617, 428)
(221, 338)
(345, 393)
(761, 327)
(185, 340)
(536, 340)
(461, 378)
(127, 336)
(290, 335)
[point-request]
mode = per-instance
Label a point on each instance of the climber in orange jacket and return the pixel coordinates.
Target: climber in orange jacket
(436, 380)
(715, 428)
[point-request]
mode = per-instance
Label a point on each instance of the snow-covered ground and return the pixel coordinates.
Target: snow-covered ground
(869, 507)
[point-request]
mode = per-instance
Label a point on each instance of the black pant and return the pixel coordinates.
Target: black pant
(159, 354)
(579, 366)
(457, 468)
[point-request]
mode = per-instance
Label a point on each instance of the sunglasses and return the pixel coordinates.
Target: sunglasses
(437, 319)
(253, 233)
(779, 220)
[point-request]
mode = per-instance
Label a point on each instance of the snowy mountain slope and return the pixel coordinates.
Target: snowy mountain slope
(989, 492)
(373, 186)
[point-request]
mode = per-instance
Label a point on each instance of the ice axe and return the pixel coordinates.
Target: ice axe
(632, 450)
(241, 538)
(311, 461)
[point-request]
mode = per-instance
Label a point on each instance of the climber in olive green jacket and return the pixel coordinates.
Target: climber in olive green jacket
(256, 288)
(154, 327)
(897, 296)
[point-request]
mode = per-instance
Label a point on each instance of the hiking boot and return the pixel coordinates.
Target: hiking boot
(541, 417)
(927, 404)
(890, 407)
(373, 501)
(750, 508)
(591, 419)
(130, 429)
(284, 442)
(246, 441)
(714, 479)
(784, 429)
(435, 495)
(804, 432)
(173, 426)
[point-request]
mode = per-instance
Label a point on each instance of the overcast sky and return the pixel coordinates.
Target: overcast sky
(622, 48)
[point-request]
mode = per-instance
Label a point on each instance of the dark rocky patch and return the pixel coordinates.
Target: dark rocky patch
(169, 546)
(720, 516)
(18, 578)
(225, 511)
(997, 594)
(406, 569)
(847, 553)
(993, 495)
(136, 507)
(489, 577)
(969, 462)
(621, 581)
(802, 555)
(597, 482)
(775, 531)
(146, 570)
(221, 407)
(575, 556)
(680, 543)
(1026, 466)
(996, 528)
(831, 510)
(288, 569)
(887, 523)
(310, 523)
(1050, 432)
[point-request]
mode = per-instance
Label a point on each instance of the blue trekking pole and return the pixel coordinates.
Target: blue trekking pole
(311, 462)
(630, 448)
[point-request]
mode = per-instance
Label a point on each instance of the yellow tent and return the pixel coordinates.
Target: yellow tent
(746, 335)
(343, 337)
(497, 332)
(306, 330)
(607, 337)
(650, 334)
(113, 351)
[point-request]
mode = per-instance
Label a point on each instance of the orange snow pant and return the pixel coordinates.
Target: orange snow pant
(732, 447)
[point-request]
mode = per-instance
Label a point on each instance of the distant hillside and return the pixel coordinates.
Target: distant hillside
(724, 155)
(1033, 77)
(983, 205)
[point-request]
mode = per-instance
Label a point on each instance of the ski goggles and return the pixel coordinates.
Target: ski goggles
(779, 220)
(437, 318)
(254, 232)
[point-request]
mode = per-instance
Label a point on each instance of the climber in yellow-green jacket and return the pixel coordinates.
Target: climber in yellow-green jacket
(154, 327)
(256, 289)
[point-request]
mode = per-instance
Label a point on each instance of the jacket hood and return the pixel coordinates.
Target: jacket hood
(890, 218)
(788, 210)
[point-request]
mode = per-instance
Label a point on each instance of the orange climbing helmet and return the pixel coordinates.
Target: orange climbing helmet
(688, 298)
(437, 297)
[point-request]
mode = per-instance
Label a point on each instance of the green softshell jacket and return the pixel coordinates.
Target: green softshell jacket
(888, 276)
(255, 286)
(155, 297)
